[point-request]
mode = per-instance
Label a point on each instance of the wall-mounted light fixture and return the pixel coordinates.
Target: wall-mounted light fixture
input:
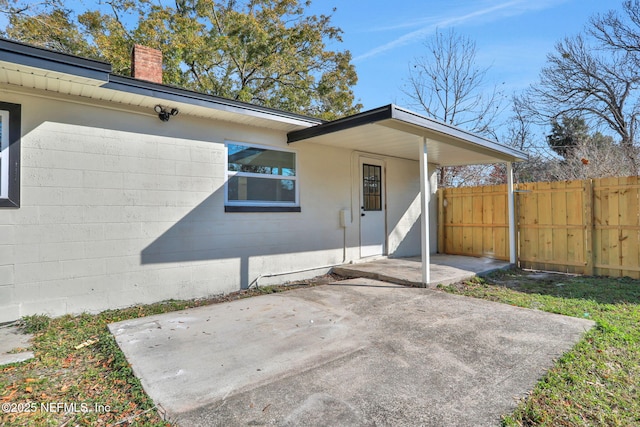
(165, 114)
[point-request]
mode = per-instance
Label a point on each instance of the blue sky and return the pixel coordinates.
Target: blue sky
(513, 37)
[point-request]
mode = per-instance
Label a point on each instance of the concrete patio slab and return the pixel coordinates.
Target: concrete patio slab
(445, 269)
(357, 352)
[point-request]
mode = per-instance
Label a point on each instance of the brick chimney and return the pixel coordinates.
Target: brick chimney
(146, 64)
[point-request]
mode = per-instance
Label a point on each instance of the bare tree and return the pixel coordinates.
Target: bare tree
(578, 81)
(594, 75)
(520, 133)
(593, 157)
(618, 32)
(448, 86)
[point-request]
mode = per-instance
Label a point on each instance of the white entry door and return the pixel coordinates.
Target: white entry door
(372, 208)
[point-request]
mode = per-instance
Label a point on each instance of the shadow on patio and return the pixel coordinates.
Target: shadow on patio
(445, 269)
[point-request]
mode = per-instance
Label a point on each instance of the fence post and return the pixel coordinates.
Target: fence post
(516, 205)
(511, 209)
(441, 218)
(588, 226)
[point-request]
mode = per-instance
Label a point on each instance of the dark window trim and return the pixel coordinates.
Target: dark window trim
(13, 196)
(228, 208)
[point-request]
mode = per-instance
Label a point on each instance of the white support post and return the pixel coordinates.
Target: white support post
(425, 193)
(512, 215)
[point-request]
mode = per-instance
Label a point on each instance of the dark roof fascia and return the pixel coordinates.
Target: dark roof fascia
(46, 59)
(406, 116)
(32, 56)
(416, 119)
(175, 94)
(367, 117)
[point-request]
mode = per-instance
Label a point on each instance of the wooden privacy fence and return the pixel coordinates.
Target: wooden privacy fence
(584, 227)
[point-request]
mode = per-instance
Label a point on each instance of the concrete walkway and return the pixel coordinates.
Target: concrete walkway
(445, 269)
(354, 353)
(14, 344)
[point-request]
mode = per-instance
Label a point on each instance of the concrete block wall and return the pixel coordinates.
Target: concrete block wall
(119, 208)
(403, 204)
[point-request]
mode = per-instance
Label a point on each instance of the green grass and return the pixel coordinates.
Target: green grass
(596, 383)
(96, 374)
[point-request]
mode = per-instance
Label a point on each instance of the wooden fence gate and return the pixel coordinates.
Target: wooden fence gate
(584, 227)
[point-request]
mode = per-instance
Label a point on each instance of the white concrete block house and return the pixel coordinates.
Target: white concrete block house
(103, 204)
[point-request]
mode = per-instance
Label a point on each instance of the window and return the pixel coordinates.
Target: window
(9, 155)
(261, 179)
(372, 187)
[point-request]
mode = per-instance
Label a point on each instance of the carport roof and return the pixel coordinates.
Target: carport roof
(394, 131)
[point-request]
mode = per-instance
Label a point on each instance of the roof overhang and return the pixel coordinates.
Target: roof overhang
(25, 67)
(394, 131)
(35, 63)
(138, 92)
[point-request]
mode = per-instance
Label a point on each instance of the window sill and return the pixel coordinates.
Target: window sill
(262, 209)
(8, 203)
